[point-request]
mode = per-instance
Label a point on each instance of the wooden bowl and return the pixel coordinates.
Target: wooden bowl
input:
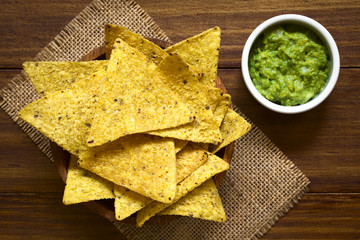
(105, 208)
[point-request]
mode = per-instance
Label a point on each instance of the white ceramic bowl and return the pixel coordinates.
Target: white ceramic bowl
(324, 36)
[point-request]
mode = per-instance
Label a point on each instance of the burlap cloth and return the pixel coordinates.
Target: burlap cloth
(262, 183)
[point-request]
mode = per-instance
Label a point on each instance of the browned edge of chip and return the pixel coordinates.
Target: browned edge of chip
(105, 208)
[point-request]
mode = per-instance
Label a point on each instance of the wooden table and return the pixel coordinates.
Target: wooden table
(324, 143)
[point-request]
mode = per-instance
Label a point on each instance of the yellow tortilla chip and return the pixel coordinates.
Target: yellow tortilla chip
(203, 146)
(218, 102)
(54, 76)
(214, 95)
(185, 83)
(179, 144)
(202, 52)
(203, 202)
(142, 163)
(65, 116)
(213, 166)
(222, 108)
(233, 127)
(134, 99)
(188, 160)
(128, 202)
(152, 51)
(84, 186)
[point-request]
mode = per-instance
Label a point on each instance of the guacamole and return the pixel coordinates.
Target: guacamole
(289, 65)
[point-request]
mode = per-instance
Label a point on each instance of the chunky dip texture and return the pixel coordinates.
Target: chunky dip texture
(289, 65)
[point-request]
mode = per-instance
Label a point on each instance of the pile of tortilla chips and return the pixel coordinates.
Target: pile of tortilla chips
(142, 126)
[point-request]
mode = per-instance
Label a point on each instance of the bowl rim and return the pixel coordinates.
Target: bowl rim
(327, 40)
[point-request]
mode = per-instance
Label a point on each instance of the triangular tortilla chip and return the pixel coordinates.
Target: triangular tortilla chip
(213, 166)
(222, 108)
(152, 51)
(156, 54)
(184, 82)
(214, 95)
(134, 99)
(202, 52)
(233, 127)
(84, 186)
(179, 144)
(142, 163)
(128, 202)
(218, 103)
(203, 146)
(203, 202)
(54, 76)
(65, 116)
(188, 160)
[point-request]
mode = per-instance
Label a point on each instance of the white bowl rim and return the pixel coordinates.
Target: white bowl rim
(327, 40)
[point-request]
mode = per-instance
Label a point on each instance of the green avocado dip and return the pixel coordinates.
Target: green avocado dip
(289, 65)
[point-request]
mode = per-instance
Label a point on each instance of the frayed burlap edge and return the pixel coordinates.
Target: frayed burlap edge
(282, 211)
(298, 194)
(11, 102)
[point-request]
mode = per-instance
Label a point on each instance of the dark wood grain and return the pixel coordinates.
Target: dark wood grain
(324, 143)
(320, 216)
(27, 28)
(238, 19)
(43, 216)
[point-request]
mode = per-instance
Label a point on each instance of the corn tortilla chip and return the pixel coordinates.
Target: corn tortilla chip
(213, 166)
(214, 95)
(152, 51)
(134, 99)
(218, 102)
(65, 116)
(203, 146)
(202, 52)
(84, 186)
(128, 202)
(149, 49)
(142, 163)
(54, 76)
(179, 144)
(184, 82)
(188, 160)
(233, 127)
(203, 202)
(222, 108)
